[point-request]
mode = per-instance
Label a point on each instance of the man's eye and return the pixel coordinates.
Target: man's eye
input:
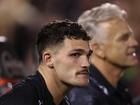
(75, 54)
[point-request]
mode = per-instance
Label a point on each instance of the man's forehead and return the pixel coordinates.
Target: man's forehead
(76, 44)
(115, 26)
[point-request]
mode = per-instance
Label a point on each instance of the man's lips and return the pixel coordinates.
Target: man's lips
(132, 54)
(85, 72)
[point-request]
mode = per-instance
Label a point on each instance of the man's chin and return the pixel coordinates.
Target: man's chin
(134, 63)
(84, 83)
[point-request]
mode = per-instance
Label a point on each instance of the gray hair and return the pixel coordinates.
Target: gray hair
(91, 18)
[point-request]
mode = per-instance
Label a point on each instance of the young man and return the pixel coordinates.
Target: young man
(63, 54)
(114, 50)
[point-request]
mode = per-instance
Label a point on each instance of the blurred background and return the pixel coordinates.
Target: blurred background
(20, 21)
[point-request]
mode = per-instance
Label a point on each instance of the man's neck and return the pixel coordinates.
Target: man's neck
(111, 72)
(55, 86)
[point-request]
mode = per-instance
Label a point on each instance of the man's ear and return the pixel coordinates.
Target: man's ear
(48, 59)
(98, 50)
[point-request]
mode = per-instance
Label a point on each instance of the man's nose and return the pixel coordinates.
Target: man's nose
(85, 62)
(133, 42)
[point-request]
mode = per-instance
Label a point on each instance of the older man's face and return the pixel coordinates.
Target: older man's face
(120, 46)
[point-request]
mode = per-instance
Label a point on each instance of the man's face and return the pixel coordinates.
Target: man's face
(120, 46)
(71, 62)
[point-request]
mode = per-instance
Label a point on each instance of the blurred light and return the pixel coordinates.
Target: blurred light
(3, 39)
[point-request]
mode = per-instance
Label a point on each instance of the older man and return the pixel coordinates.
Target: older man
(114, 50)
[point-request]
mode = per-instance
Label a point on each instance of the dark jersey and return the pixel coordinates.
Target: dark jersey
(31, 91)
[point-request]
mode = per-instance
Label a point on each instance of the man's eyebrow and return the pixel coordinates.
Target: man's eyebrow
(81, 50)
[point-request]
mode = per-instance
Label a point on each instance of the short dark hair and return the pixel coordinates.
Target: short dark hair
(55, 32)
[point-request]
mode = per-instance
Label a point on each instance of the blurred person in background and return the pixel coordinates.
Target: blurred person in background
(17, 18)
(12, 70)
(63, 48)
(114, 50)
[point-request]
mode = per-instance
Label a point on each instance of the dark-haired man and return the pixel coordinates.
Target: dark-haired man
(63, 63)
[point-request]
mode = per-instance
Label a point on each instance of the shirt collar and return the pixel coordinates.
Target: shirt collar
(100, 80)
